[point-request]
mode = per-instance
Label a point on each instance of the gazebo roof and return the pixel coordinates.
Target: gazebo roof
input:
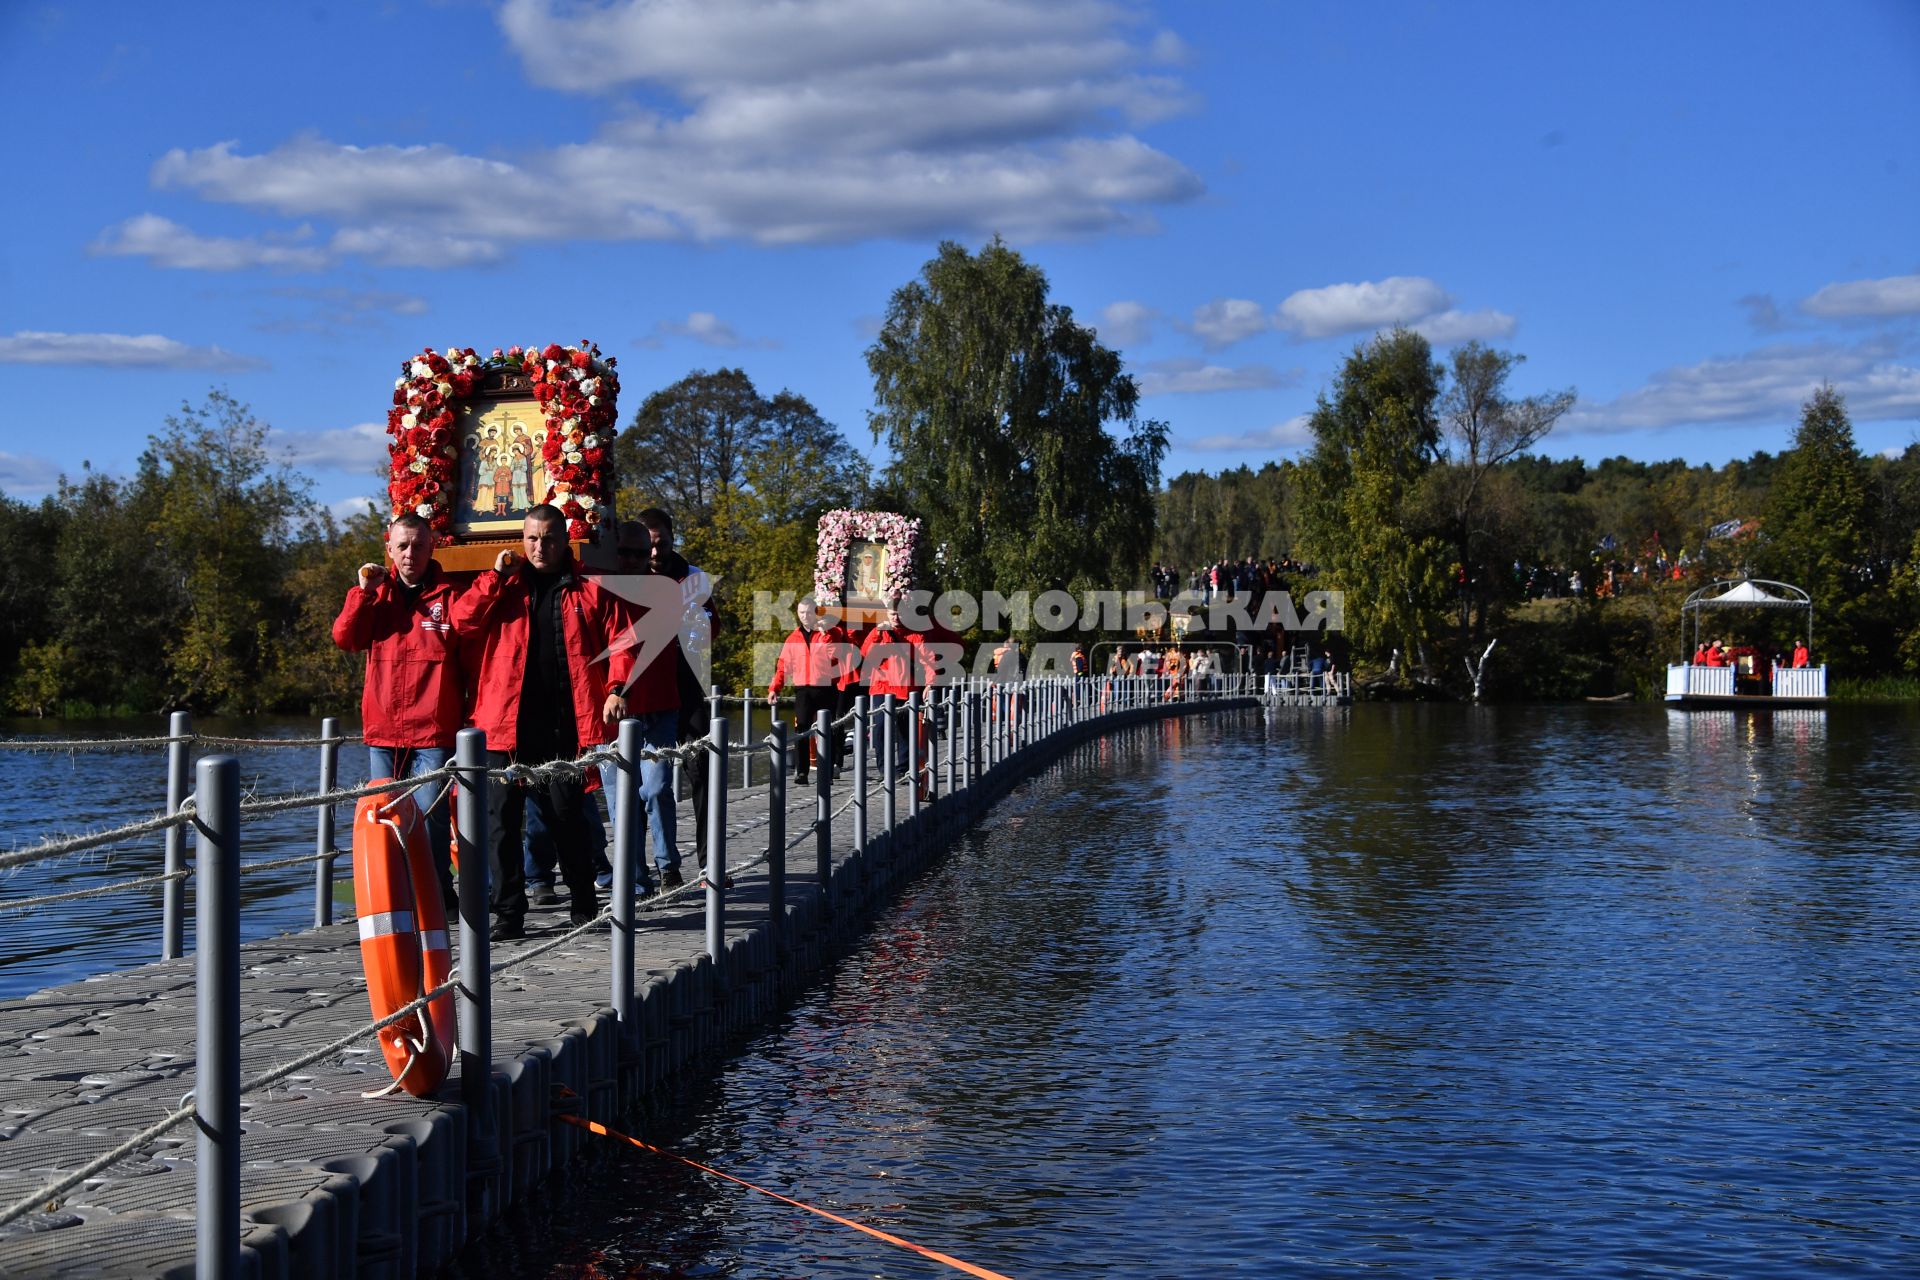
(1748, 594)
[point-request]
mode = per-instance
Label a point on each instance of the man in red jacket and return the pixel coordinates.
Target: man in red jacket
(813, 658)
(411, 708)
(552, 682)
(891, 664)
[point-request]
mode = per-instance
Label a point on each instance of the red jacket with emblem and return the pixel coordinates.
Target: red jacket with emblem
(413, 689)
(819, 659)
(890, 662)
(494, 612)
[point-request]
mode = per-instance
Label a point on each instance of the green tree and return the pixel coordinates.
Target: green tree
(690, 444)
(746, 478)
(1815, 519)
(1375, 436)
(1815, 512)
(996, 405)
(308, 672)
(224, 519)
(1483, 427)
(113, 603)
(28, 538)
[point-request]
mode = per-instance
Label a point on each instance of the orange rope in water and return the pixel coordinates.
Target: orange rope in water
(981, 1273)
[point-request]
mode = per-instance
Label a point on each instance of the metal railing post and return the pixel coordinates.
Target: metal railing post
(863, 735)
(475, 992)
(746, 738)
(973, 746)
(889, 774)
(823, 803)
(953, 746)
(777, 838)
(915, 763)
(173, 894)
(323, 836)
(216, 1083)
(715, 873)
(629, 828)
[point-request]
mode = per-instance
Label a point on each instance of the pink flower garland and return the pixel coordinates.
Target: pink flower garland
(840, 529)
(578, 393)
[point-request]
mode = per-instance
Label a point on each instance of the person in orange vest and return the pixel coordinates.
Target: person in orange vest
(1801, 658)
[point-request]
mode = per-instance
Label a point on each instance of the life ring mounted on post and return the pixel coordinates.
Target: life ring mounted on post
(403, 940)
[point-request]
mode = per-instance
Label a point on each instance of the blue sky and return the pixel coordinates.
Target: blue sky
(1692, 214)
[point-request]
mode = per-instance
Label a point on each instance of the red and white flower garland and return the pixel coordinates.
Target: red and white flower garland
(578, 393)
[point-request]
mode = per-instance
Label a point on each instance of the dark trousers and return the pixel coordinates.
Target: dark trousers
(561, 803)
(696, 721)
(808, 702)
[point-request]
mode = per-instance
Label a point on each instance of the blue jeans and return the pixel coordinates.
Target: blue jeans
(409, 762)
(657, 730)
(541, 854)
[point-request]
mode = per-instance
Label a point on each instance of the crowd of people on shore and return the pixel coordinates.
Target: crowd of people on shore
(1226, 577)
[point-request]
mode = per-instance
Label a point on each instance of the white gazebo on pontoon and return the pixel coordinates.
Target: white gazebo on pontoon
(1752, 679)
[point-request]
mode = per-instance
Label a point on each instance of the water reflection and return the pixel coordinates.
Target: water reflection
(1404, 990)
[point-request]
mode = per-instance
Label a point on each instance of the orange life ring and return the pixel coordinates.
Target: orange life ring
(403, 939)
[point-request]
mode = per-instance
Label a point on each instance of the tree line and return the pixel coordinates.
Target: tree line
(207, 579)
(1423, 498)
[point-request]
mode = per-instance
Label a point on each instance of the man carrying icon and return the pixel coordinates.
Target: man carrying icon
(411, 707)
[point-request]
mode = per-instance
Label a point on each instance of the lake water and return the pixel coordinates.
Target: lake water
(47, 795)
(1387, 991)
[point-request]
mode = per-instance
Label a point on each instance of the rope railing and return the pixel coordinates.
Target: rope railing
(209, 740)
(56, 745)
(75, 745)
(63, 845)
(279, 804)
(97, 891)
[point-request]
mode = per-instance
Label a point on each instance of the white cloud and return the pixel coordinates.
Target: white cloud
(346, 508)
(361, 447)
(1446, 328)
(1294, 433)
(354, 302)
(118, 351)
(787, 123)
(705, 328)
(1890, 296)
(1225, 321)
(333, 311)
(1357, 308)
(1192, 377)
(26, 475)
(414, 247)
(1126, 323)
(1766, 385)
(168, 244)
